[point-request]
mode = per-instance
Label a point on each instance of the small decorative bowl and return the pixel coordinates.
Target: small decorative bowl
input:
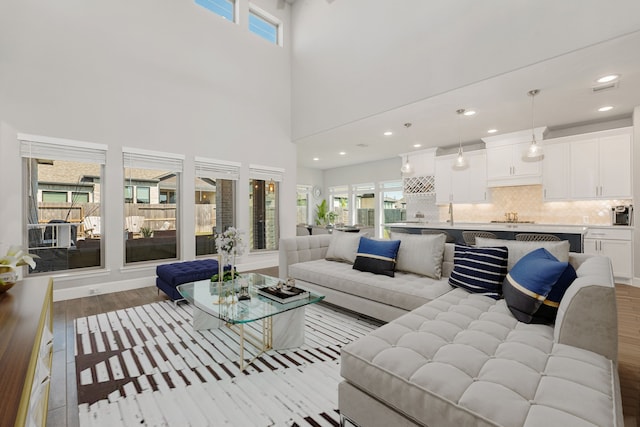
(7, 280)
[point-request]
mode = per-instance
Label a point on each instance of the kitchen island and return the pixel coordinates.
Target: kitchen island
(503, 230)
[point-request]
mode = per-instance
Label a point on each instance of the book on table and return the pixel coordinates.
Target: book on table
(283, 295)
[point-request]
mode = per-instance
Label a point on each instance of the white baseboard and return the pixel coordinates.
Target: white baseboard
(102, 288)
(254, 262)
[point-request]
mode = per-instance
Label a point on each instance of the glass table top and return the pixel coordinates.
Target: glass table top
(222, 300)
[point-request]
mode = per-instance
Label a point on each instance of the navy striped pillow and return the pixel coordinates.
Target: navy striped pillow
(479, 270)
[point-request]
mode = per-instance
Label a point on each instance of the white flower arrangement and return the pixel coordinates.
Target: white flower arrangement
(230, 244)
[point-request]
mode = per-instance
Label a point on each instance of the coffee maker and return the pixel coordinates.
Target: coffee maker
(622, 215)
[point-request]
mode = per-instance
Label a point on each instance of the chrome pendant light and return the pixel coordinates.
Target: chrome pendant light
(406, 167)
(534, 152)
(460, 162)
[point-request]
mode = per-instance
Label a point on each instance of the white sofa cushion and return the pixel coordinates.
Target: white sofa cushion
(518, 249)
(406, 291)
(343, 246)
(420, 254)
(463, 359)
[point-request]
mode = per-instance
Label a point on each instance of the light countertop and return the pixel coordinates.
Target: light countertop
(502, 226)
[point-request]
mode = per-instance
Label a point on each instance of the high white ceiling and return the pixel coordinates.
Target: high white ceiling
(566, 99)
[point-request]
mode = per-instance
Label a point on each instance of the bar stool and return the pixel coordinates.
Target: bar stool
(535, 237)
(470, 236)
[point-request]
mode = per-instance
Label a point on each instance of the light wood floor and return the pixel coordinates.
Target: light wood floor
(63, 407)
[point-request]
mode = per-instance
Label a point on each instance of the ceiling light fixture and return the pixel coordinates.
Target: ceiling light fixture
(406, 167)
(534, 152)
(315, 159)
(469, 113)
(605, 108)
(492, 131)
(417, 145)
(460, 162)
(343, 153)
(388, 133)
(608, 78)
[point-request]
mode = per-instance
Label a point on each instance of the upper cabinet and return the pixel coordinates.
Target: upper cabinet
(506, 163)
(462, 186)
(601, 165)
(594, 165)
(555, 171)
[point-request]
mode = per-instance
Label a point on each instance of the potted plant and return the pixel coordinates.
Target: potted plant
(321, 212)
(146, 232)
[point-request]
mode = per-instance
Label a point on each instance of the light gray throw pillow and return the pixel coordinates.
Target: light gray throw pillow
(420, 253)
(344, 246)
(518, 249)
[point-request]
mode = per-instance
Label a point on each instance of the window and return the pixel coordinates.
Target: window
(264, 227)
(143, 195)
(303, 205)
(364, 204)
(393, 204)
(264, 25)
(150, 225)
(224, 8)
(54, 197)
(215, 207)
(339, 203)
(63, 205)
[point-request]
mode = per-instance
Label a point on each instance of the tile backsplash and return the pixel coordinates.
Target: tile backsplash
(527, 202)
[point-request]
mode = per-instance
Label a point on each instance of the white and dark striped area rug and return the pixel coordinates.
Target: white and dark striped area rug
(147, 366)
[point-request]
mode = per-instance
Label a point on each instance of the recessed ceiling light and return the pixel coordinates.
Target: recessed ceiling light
(469, 113)
(608, 78)
(605, 108)
(417, 145)
(388, 133)
(492, 131)
(315, 159)
(342, 153)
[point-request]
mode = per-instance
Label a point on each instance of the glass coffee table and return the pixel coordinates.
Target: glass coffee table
(217, 305)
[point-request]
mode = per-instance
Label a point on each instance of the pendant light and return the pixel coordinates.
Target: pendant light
(534, 152)
(406, 167)
(460, 162)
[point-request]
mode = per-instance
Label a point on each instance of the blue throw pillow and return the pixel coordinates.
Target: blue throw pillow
(377, 256)
(549, 308)
(529, 282)
(479, 270)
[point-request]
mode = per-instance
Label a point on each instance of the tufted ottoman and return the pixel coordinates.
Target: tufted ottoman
(464, 360)
(171, 275)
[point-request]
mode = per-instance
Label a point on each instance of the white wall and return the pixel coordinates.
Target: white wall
(356, 58)
(383, 170)
(160, 75)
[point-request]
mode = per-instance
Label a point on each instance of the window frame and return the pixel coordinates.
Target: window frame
(267, 18)
(265, 174)
(211, 5)
(134, 158)
(218, 170)
(46, 150)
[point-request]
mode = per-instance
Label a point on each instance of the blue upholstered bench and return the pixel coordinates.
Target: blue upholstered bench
(172, 275)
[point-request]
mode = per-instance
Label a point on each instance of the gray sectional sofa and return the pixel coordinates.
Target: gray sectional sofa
(448, 357)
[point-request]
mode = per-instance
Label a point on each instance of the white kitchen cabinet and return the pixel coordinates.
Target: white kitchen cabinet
(462, 186)
(555, 171)
(601, 166)
(506, 161)
(615, 244)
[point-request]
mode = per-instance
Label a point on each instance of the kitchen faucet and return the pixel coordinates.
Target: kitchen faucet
(451, 213)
